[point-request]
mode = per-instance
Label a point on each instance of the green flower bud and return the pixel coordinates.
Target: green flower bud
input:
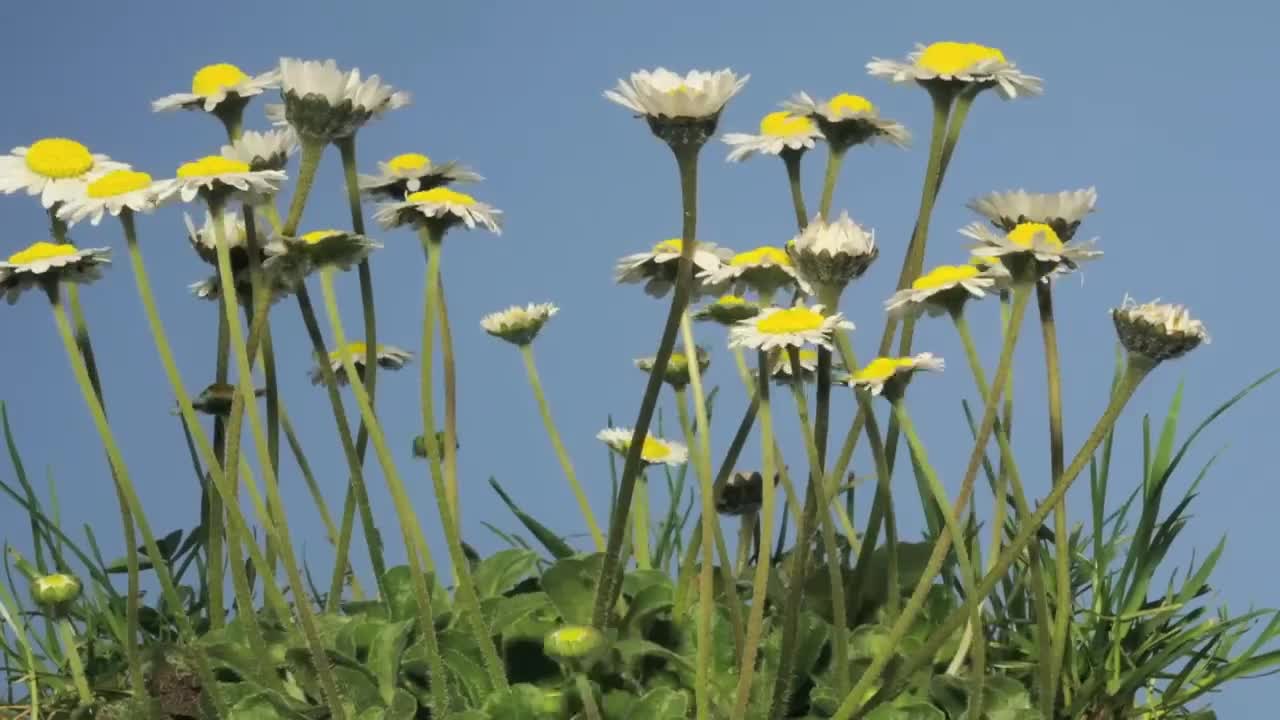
(420, 444)
(55, 591)
(578, 644)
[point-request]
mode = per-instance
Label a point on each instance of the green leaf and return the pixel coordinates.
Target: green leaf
(384, 656)
(403, 706)
(524, 701)
(357, 687)
(660, 704)
(571, 584)
(558, 548)
(507, 614)
(503, 570)
(908, 710)
(264, 705)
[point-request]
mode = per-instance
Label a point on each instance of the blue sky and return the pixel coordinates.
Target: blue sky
(1166, 111)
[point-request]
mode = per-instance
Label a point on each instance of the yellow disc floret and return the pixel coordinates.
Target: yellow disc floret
(41, 251)
(849, 104)
(784, 124)
(883, 368)
(212, 79)
(954, 58)
(211, 165)
(654, 450)
(1025, 235)
(945, 276)
(766, 255)
(408, 162)
(730, 300)
(674, 245)
(59, 158)
(441, 195)
(355, 349)
(791, 320)
(118, 182)
(318, 236)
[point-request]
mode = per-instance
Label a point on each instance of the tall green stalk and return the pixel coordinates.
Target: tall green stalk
(214, 510)
(1061, 532)
(791, 158)
(835, 158)
(67, 635)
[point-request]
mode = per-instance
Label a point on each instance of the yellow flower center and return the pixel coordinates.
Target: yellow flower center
(211, 79)
(761, 256)
(791, 320)
(59, 158)
(849, 103)
(441, 195)
(118, 182)
(882, 368)
(944, 275)
(674, 245)
(784, 124)
(41, 251)
(808, 356)
(355, 349)
(731, 300)
(408, 162)
(211, 165)
(576, 634)
(654, 450)
(951, 58)
(1025, 234)
(318, 236)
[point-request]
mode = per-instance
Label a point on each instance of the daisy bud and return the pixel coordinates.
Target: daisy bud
(831, 255)
(55, 592)
(519, 325)
(1157, 331)
(677, 374)
(575, 644)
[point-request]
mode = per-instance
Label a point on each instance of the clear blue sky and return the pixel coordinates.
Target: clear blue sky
(1166, 111)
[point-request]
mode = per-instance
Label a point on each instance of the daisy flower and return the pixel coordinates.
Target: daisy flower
(324, 103)
(741, 494)
(833, 254)
(268, 150)
(519, 325)
(389, 357)
(46, 263)
(204, 239)
(655, 450)
(780, 132)
(657, 268)
(216, 399)
(942, 289)
(727, 310)
(680, 109)
(893, 373)
(411, 172)
(280, 287)
(440, 205)
(294, 258)
(677, 373)
(782, 371)
(796, 327)
(215, 85)
(764, 269)
(113, 192)
(56, 169)
(1157, 331)
(1062, 211)
(847, 120)
(218, 177)
(1036, 240)
(957, 64)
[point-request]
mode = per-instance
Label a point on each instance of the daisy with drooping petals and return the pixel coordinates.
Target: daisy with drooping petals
(655, 450)
(46, 263)
(218, 178)
(764, 269)
(519, 325)
(657, 268)
(204, 239)
(1157, 331)
(796, 327)
(1036, 240)
(677, 374)
(56, 169)
(411, 172)
(1062, 211)
(780, 132)
(324, 103)
(943, 289)
(268, 150)
(113, 192)
(294, 258)
(893, 373)
(389, 357)
(847, 120)
(218, 84)
(727, 310)
(681, 109)
(783, 372)
(830, 255)
(954, 63)
(440, 206)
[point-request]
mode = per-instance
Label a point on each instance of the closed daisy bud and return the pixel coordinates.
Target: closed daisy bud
(324, 103)
(420, 444)
(55, 592)
(682, 110)
(46, 264)
(727, 310)
(847, 120)
(830, 255)
(955, 65)
(519, 325)
(677, 374)
(889, 375)
(741, 494)
(579, 645)
(1157, 331)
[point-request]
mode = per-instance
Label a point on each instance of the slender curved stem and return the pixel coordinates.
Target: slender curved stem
(67, 635)
(311, 153)
(588, 694)
(449, 365)
(835, 158)
(882, 511)
(1061, 532)
(792, 160)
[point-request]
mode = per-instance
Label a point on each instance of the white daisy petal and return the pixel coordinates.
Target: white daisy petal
(1062, 210)
(519, 325)
(796, 326)
(780, 132)
(765, 269)
(848, 119)
(388, 357)
(662, 93)
(1037, 240)
(263, 150)
(943, 288)
(657, 268)
(411, 172)
(46, 262)
(961, 63)
(222, 176)
(1158, 331)
(893, 371)
(324, 103)
(655, 450)
(213, 85)
(56, 169)
(440, 204)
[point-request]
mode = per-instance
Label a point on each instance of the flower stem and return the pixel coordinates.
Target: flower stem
(311, 153)
(1061, 533)
(835, 159)
(526, 352)
(450, 450)
(609, 582)
(215, 511)
(588, 694)
(791, 158)
(881, 512)
(67, 635)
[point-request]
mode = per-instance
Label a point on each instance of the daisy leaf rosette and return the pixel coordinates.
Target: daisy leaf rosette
(324, 103)
(781, 328)
(1157, 331)
(1062, 211)
(1029, 241)
(678, 370)
(519, 325)
(441, 207)
(388, 357)
(945, 288)
(890, 375)
(655, 451)
(268, 150)
(765, 269)
(46, 264)
(294, 258)
(847, 120)
(682, 110)
(218, 85)
(780, 132)
(953, 65)
(218, 179)
(658, 267)
(830, 255)
(727, 310)
(111, 194)
(57, 169)
(410, 172)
